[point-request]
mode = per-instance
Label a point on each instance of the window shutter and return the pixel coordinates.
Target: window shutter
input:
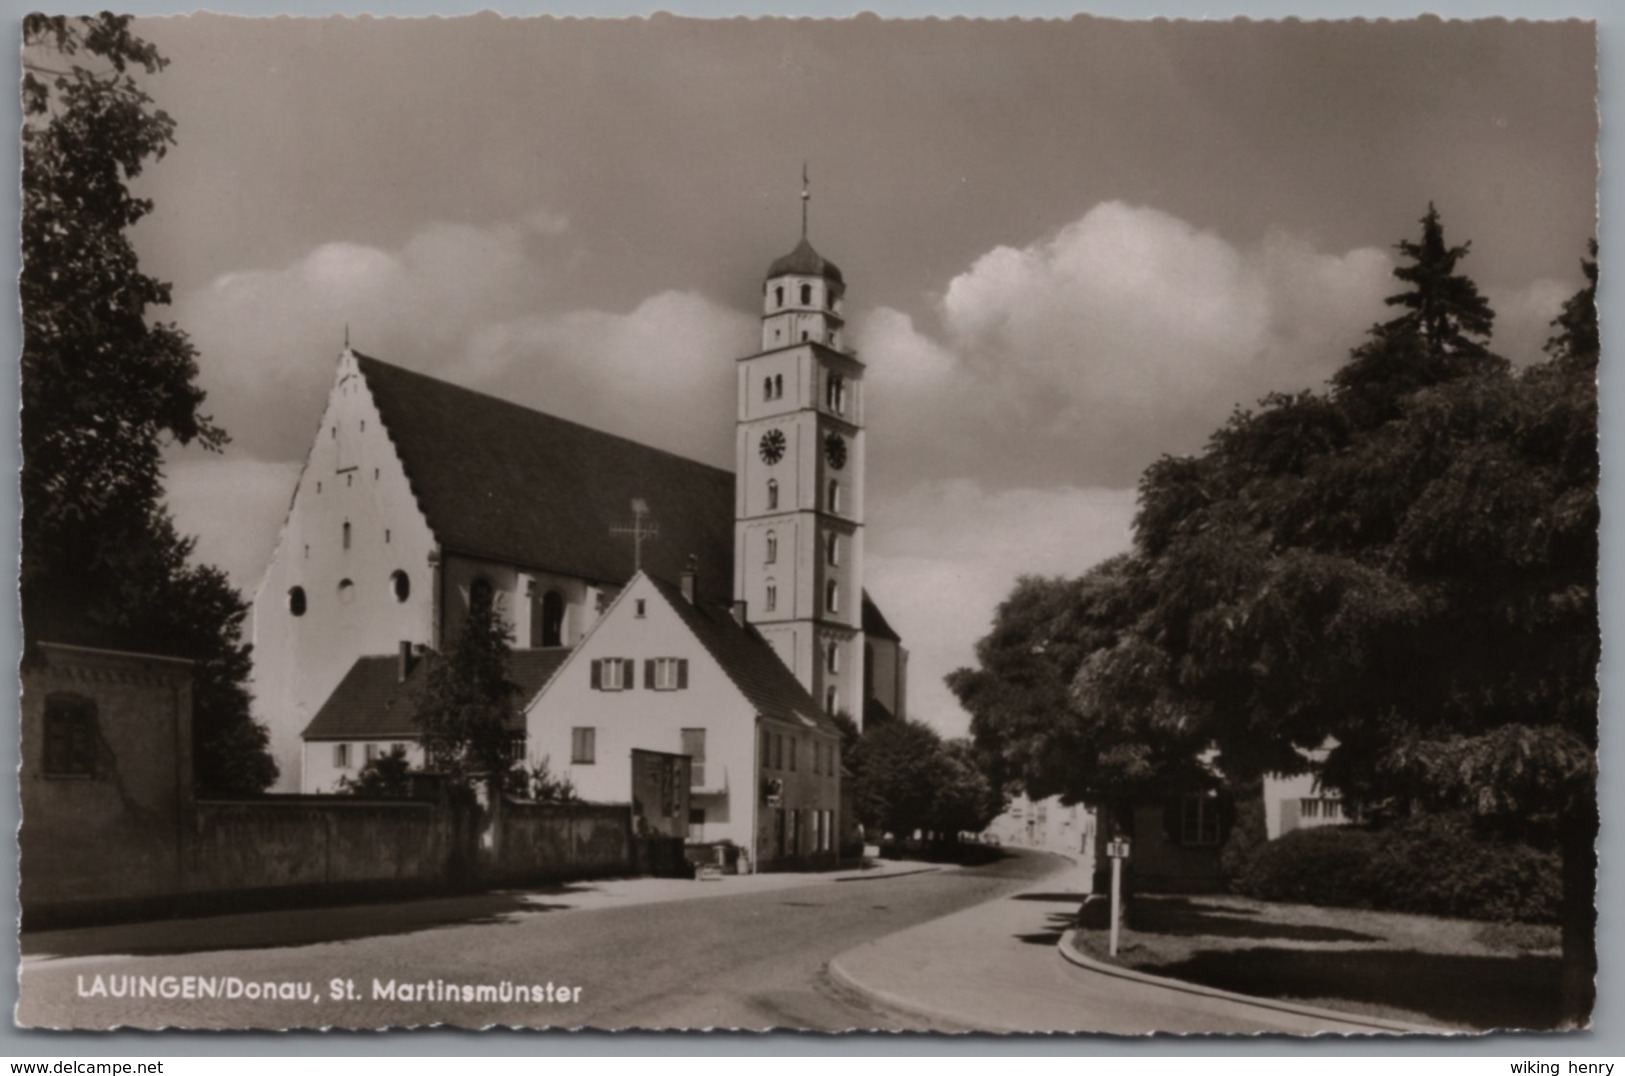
(629, 669)
(682, 673)
(649, 673)
(597, 674)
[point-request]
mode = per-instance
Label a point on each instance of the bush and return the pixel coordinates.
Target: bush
(1427, 866)
(1248, 835)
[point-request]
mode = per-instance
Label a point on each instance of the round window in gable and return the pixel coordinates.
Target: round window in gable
(400, 585)
(296, 601)
(346, 592)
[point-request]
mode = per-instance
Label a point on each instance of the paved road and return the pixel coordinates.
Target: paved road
(756, 960)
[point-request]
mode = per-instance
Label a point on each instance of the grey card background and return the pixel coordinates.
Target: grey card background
(1610, 1013)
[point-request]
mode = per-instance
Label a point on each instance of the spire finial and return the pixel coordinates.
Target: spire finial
(806, 196)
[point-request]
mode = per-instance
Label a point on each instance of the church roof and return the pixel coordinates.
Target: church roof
(874, 621)
(805, 261)
(749, 660)
(373, 703)
(502, 481)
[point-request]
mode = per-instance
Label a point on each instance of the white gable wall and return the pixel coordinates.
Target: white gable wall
(652, 720)
(353, 476)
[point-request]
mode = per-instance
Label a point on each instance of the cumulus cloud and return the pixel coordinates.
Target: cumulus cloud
(941, 556)
(1125, 334)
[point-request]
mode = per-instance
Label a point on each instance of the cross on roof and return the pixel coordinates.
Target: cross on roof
(639, 530)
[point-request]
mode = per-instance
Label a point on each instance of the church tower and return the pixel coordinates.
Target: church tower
(798, 532)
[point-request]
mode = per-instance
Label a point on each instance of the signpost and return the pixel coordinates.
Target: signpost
(1116, 851)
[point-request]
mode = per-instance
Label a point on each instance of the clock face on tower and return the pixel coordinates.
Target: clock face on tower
(772, 447)
(835, 450)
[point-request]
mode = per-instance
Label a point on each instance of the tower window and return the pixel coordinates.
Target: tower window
(346, 534)
(832, 658)
(806, 295)
(346, 592)
(772, 547)
(778, 386)
(834, 495)
(804, 335)
(778, 296)
(772, 494)
(835, 394)
(833, 551)
(772, 596)
(829, 699)
(832, 596)
(400, 585)
(767, 388)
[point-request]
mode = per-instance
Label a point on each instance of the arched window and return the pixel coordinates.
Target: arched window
(829, 298)
(346, 534)
(767, 388)
(835, 393)
(832, 596)
(833, 553)
(400, 585)
(346, 592)
(834, 495)
(772, 494)
(772, 547)
(296, 601)
(479, 595)
(832, 658)
(806, 295)
(552, 608)
(778, 386)
(772, 596)
(778, 295)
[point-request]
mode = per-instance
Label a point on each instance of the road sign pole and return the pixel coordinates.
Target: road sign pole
(1117, 898)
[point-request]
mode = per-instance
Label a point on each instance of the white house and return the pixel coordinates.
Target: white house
(664, 670)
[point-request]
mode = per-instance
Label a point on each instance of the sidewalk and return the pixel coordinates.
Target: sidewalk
(998, 967)
(313, 925)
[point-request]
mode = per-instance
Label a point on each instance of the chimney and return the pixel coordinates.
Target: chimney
(403, 666)
(690, 574)
(739, 612)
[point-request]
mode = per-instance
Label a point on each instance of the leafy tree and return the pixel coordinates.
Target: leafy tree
(105, 390)
(386, 776)
(908, 778)
(467, 701)
(966, 801)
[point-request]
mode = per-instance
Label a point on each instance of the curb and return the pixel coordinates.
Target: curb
(1357, 1024)
(905, 1006)
(889, 874)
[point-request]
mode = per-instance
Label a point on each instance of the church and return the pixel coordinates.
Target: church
(419, 497)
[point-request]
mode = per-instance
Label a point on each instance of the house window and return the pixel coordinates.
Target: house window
(793, 742)
(778, 750)
(341, 756)
(832, 550)
(583, 746)
(818, 757)
(70, 736)
(772, 601)
(696, 817)
(640, 608)
(369, 752)
(665, 674)
(694, 748)
(772, 547)
(834, 495)
(400, 585)
(612, 674)
(1199, 820)
(767, 748)
(832, 596)
(806, 295)
(296, 601)
(832, 658)
(772, 494)
(346, 534)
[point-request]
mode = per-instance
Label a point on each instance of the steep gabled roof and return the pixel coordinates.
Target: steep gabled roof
(373, 703)
(749, 660)
(498, 480)
(874, 622)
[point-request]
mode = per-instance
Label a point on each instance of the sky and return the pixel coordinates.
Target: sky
(1070, 246)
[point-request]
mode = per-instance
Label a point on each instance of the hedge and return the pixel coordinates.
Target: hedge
(1429, 866)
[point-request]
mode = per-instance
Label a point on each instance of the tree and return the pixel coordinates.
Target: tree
(386, 776)
(105, 390)
(467, 701)
(539, 783)
(1404, 566)
(1442, 307)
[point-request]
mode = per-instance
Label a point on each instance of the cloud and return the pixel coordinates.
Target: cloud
(1126, 334)
(943, 555)
(1523, 318)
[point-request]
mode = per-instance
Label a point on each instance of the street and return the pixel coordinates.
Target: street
(755, 960)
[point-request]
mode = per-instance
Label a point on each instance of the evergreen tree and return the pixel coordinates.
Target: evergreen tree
(1442, 307)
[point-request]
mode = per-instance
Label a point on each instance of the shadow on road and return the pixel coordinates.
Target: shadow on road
(1058, 923)
(1474, 991)
(290, 927)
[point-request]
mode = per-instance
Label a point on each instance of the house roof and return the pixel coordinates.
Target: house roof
(373, 703)
(502, 481)
(749, 660)
(805, 261)
(874, 622)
